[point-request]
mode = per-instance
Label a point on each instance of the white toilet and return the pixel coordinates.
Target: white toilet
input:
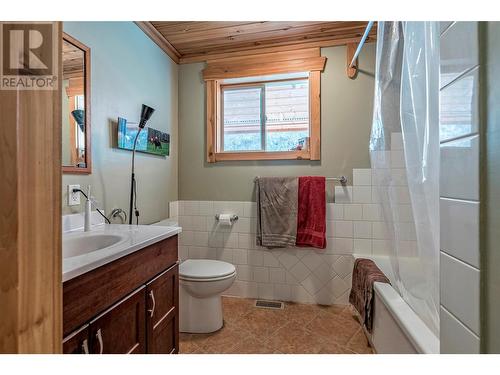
(202, 282)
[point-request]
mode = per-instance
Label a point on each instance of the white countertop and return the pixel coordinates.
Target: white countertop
(135, 237)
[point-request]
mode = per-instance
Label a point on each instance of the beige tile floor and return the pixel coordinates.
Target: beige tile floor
(296, 329)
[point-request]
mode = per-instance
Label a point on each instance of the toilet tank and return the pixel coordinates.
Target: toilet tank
(167, 223)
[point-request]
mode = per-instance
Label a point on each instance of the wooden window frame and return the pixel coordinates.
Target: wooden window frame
(238, 69)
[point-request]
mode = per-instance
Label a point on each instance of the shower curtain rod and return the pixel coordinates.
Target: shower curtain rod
(361, 43)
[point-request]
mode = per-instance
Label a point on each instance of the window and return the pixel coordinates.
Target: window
(252, 115)
(269, 116)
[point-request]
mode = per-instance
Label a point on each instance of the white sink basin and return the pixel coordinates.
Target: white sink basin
(85, 251)
(83, 243)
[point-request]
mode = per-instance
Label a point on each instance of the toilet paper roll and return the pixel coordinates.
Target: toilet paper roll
(225, 220)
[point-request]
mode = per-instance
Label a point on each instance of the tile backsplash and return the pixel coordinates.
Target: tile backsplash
(354, 225)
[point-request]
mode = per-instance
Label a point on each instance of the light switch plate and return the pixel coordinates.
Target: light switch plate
(73, 198)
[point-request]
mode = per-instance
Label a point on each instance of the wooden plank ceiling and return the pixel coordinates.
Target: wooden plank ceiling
(201, 41)
(73, 64)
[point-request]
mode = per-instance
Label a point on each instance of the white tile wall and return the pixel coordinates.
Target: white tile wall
(455, 337)
(459, 187)
(343, 194)
(460, 291)
(361, 194)
(390, 187)
(460, 229)
(461, 96)
(301, 275)
(459, 50)
(362, 177)
(460, 168)
(396, 141)
(298, 274)
(444, 25)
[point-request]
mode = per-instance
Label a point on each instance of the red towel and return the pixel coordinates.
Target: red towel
(311, 216)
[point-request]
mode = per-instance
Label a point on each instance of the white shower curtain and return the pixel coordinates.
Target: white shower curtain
(404, 149)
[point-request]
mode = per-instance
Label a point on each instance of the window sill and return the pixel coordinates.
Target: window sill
(262, 155)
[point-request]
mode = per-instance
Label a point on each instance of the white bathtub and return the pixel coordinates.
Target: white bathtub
(396, 327)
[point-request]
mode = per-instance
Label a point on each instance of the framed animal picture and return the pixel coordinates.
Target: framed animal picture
(151, 141)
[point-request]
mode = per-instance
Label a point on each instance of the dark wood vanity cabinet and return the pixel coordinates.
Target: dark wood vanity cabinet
(77, 342)
(162, 319)
(130, 305)
(121, 328)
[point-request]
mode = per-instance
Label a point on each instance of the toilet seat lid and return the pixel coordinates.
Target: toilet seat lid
(205, 269)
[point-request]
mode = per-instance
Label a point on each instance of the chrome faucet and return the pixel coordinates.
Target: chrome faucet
(118, 212)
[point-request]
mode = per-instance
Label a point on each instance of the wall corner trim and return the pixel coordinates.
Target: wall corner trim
(159, 39)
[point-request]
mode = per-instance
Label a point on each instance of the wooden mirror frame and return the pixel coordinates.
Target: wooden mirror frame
(86, 82)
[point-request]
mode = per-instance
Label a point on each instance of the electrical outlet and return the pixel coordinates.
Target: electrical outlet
(73, 198)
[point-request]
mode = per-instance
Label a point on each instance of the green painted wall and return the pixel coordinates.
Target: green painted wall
(346, 114)
(128, 69)
(490, 190)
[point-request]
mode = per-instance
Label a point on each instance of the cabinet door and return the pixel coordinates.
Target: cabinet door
(162, 315)
(121, 328)
(77, 342)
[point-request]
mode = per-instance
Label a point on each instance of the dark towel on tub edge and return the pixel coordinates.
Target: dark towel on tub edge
(365, 273)
(277, 201)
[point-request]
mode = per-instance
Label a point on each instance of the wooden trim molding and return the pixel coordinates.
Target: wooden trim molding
(267, 57)
(159, 39)
(218, 71)
(211, 95)
(315, 114)
(30, 218)
(235, 70)
(330, 42)
(261, 155)
(88, 110)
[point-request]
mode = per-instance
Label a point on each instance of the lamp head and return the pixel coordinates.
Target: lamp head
(79, 116)
(146, 113)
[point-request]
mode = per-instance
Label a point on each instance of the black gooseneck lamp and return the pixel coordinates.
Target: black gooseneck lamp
(146, 113)
(79, 116)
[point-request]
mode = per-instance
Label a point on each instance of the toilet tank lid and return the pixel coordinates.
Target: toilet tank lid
(205, 268)
(167, 223)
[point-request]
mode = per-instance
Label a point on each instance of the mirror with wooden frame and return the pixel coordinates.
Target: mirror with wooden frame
(76, 148)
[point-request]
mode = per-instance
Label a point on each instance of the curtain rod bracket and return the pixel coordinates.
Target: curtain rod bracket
(353, 52)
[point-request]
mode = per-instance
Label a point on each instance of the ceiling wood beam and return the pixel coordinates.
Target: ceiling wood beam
(159, 39)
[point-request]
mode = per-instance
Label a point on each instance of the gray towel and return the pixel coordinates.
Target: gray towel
(277, 202)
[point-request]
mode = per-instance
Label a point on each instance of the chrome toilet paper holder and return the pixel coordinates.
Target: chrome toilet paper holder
(233, 218)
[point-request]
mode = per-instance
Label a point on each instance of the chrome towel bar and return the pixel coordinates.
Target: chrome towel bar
(341, 179)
